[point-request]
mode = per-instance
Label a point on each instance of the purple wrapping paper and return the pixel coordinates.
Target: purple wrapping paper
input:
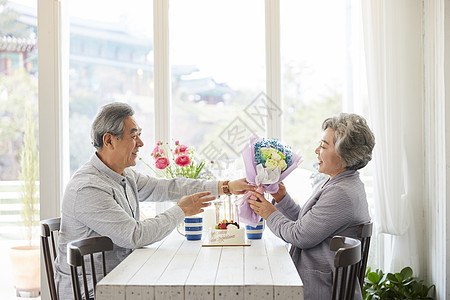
(246, 213)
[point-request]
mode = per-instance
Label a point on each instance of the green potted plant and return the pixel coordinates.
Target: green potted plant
(25, 259)
(402, 285)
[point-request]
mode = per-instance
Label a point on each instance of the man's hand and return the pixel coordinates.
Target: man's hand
(194, 204)
(240, 186)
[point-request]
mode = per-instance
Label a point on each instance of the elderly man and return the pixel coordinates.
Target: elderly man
(102, 198)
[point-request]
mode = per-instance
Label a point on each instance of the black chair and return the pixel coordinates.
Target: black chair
(48, 229)
(76, 251)
(364, 234)
(346, 263)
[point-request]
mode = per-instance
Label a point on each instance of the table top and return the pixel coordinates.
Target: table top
(175, 268)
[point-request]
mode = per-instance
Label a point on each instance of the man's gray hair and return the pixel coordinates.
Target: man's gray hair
(109, 120)
(353, 140)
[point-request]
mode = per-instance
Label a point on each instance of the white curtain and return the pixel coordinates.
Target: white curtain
(392, 39)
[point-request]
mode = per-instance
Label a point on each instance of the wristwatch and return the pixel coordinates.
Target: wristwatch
(226, 188)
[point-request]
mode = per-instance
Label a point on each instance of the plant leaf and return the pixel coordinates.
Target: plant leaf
(406, 272)
(373, 277)
(383, 278)
(391, 277)
(418, 288)
(402, 285)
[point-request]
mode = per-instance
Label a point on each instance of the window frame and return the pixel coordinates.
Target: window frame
(53, 24)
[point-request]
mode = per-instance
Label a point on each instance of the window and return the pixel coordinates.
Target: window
(217, 72)
(110, 60)
(323, 73)
(19, 176)
(218, 68)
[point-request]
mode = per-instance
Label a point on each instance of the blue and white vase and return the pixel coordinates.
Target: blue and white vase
(255, 233)
(193, 227)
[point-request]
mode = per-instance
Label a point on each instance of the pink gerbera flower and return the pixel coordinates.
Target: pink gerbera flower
(161, 163)
(183, 160)
(181, 150)
(158, 152)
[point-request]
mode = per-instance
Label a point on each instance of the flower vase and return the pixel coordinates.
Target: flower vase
(255, 233)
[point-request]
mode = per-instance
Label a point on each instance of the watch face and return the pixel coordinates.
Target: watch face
(226, 188)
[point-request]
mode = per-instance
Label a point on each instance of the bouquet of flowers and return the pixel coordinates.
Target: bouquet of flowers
(177, 162)
(267, 163)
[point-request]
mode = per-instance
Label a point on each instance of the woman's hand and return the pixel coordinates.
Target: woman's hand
(278, 196)
(261, 206)
(240, 186)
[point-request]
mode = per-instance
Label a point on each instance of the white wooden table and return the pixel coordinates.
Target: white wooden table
(179, 269)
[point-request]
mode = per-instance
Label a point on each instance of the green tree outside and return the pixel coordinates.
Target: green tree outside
(9, 25)
(17, 91)
(29, 175)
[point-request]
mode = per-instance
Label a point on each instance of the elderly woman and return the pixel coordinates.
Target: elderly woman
(337, 205)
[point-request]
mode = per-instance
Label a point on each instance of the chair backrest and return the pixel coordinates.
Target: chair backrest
(76, 251)
(364, 234)
(346, 263)
(48, 229)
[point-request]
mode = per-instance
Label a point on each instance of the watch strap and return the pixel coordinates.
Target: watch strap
(226, 188)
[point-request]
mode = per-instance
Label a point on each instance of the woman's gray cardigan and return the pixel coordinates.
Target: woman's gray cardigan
(336, 207)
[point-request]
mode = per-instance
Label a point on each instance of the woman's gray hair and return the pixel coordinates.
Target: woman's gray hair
(109, 120)
(353, 140)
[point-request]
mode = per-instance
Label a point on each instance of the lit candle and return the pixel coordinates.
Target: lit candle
(217, 213)
(224, 209)
(229, 207)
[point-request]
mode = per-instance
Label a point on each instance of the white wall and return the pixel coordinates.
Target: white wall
(437, 144)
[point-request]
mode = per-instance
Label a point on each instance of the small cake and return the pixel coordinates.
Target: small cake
(227, 233)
